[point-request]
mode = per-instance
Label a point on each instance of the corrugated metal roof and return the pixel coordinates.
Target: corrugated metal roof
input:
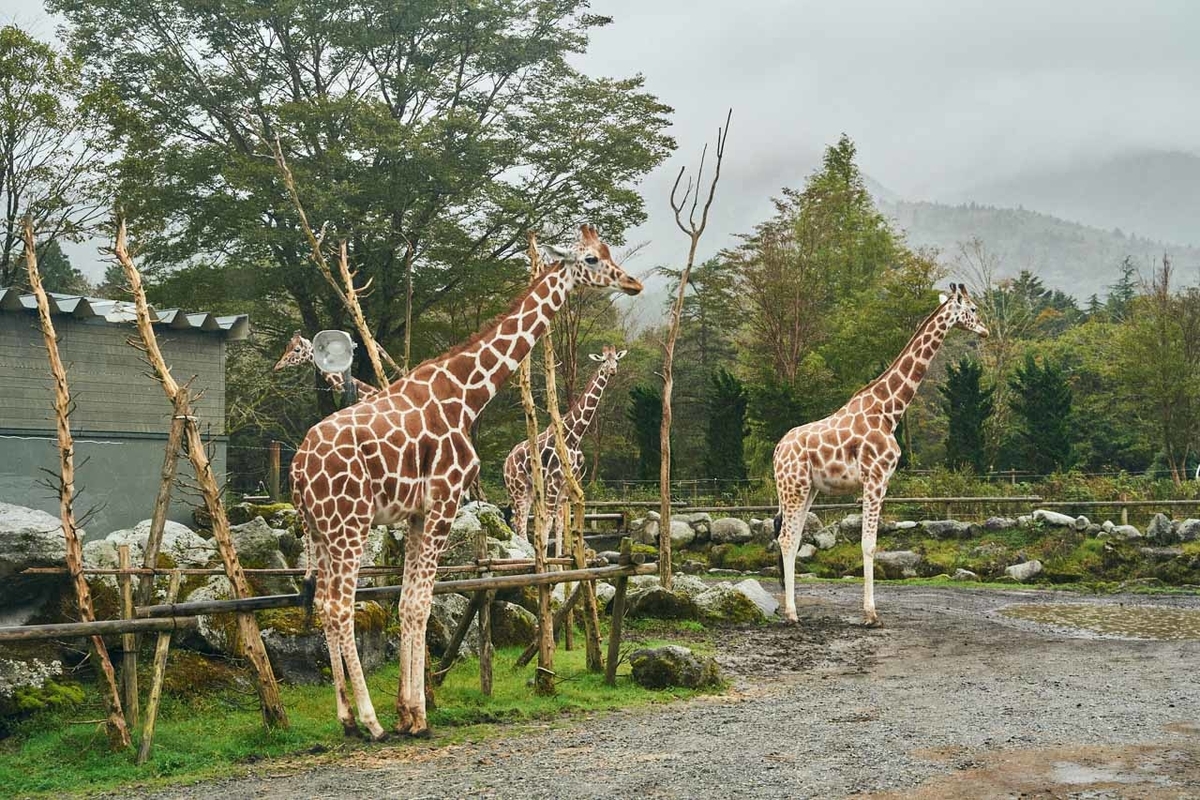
(234, 328)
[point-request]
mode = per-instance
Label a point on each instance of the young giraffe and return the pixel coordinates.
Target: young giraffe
(406, 454)
(300, 351)
(517, 478)
(855, 447)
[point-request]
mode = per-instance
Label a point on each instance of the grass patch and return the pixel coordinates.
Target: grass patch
(748, 557)
(221, 734)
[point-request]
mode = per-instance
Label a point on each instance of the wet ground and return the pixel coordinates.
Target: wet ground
(962, 693)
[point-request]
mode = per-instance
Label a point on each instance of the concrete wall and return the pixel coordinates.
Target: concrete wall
(121, 418)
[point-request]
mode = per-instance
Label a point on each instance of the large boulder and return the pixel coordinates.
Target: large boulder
(682, 534)
(898, 563)
(754, 591)
(700, 522)
(729, 530)
(1188, 530)
(947, 528)
(722, 602)
(658, 603)
(605, 592)
(826, 537)
(256, 542)
(1024, 571)
(1161, 529)
(216, 633)
(512, 624)
(1124, 532)
(180, 545)
(961, 574)
(28, 538)
(444, 615)
(850, 526)
(1053, 518)
(673, 666)
(299, 653)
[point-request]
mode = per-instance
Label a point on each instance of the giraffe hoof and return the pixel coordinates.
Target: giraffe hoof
(382, 736)
(872, 622)
(420, 733)
(351, 731)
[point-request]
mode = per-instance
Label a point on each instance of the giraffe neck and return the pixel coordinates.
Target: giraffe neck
(474, 372)
(899, 382)
(583, 410)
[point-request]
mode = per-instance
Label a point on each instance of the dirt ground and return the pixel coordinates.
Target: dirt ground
(949, 699)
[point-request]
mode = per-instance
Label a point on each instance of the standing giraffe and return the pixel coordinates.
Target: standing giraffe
(855, 446)
(406, 454)
(300, 351)
(517, 477)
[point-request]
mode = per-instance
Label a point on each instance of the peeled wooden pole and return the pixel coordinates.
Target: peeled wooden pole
(129, 643)
(544, 681)
(118, 732)
(156, 682)
(162, 501)
(273, 712)
(618, 616)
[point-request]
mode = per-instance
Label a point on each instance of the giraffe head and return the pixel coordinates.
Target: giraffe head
(298, 351)
(962, 310)
(591, 263)
(608, 359)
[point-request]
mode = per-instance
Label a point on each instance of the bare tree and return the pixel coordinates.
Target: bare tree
(693, 230)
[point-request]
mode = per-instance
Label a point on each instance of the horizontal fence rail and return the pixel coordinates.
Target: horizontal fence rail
(64, 629)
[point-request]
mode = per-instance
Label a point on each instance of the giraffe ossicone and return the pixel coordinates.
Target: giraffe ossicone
(855, 446)
(518, 477)
(406, 455)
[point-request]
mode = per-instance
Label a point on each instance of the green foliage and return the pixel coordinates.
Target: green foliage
(1041, 401)
(748, 557)
(724, 456)
(645, 412)
(967, 405)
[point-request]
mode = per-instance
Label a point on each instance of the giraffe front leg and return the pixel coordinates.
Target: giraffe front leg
(343, 619)
(412, 554)
(791, 533)
(872, 501)
(333, 642)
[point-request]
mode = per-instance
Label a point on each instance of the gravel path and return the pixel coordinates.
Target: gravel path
(948, 700)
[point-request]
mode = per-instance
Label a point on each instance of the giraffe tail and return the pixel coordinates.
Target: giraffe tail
(308, 592)
(779, 545)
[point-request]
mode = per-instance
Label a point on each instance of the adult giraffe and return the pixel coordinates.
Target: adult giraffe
(855, 446)
(300, 351)
(517, 477)
(406, 454)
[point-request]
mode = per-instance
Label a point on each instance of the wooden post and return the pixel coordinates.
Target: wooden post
(485, 622)
(251, 641)
(156, 682)
(591, 608)
(1124, 509)
(544, 682)
(273, 470)
(456, 639)
(129, 643)
(618, 616)
(560, 618)
(118, 733)
(162, 501)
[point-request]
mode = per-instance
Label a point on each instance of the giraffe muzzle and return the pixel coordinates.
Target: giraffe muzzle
(630, 286)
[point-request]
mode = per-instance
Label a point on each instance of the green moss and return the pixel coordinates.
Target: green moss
(493, 525)
(749, 557)
(734, 608)
(289, 621)
(645, 549)
(370, 617)
(191, 674)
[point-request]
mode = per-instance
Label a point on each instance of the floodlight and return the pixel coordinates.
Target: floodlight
(333, 351)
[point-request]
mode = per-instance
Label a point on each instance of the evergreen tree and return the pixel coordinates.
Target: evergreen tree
(645, 413)
(1041, 402)
(1121, 293)
(967, 405)
(724, 456)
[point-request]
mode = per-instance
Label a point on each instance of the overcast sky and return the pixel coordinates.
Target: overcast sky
(939, 95)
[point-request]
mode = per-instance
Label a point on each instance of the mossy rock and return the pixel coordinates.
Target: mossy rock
(493, 526)
(673, 666)
(290, 621)
(727, 605)
(53, 694)
(645, 549)
(190, 674)
(749, 557)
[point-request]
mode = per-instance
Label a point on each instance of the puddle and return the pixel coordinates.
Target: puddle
(1126, 622)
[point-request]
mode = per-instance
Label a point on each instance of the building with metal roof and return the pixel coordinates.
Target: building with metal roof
(121, 416)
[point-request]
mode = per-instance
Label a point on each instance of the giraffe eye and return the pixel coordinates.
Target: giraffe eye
(593, 260)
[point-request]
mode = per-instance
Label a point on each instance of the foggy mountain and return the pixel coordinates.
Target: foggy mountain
(1150, 193)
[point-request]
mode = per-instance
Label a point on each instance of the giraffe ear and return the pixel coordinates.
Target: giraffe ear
(621, 354)
(595, 357)
(551, 254)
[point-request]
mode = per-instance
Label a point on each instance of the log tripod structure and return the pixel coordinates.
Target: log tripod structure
(273, 712)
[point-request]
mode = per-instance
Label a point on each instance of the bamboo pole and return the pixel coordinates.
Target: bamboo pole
(118, 733)
(273, 711)
(544, 682)
(129, 644)
(156, 682)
